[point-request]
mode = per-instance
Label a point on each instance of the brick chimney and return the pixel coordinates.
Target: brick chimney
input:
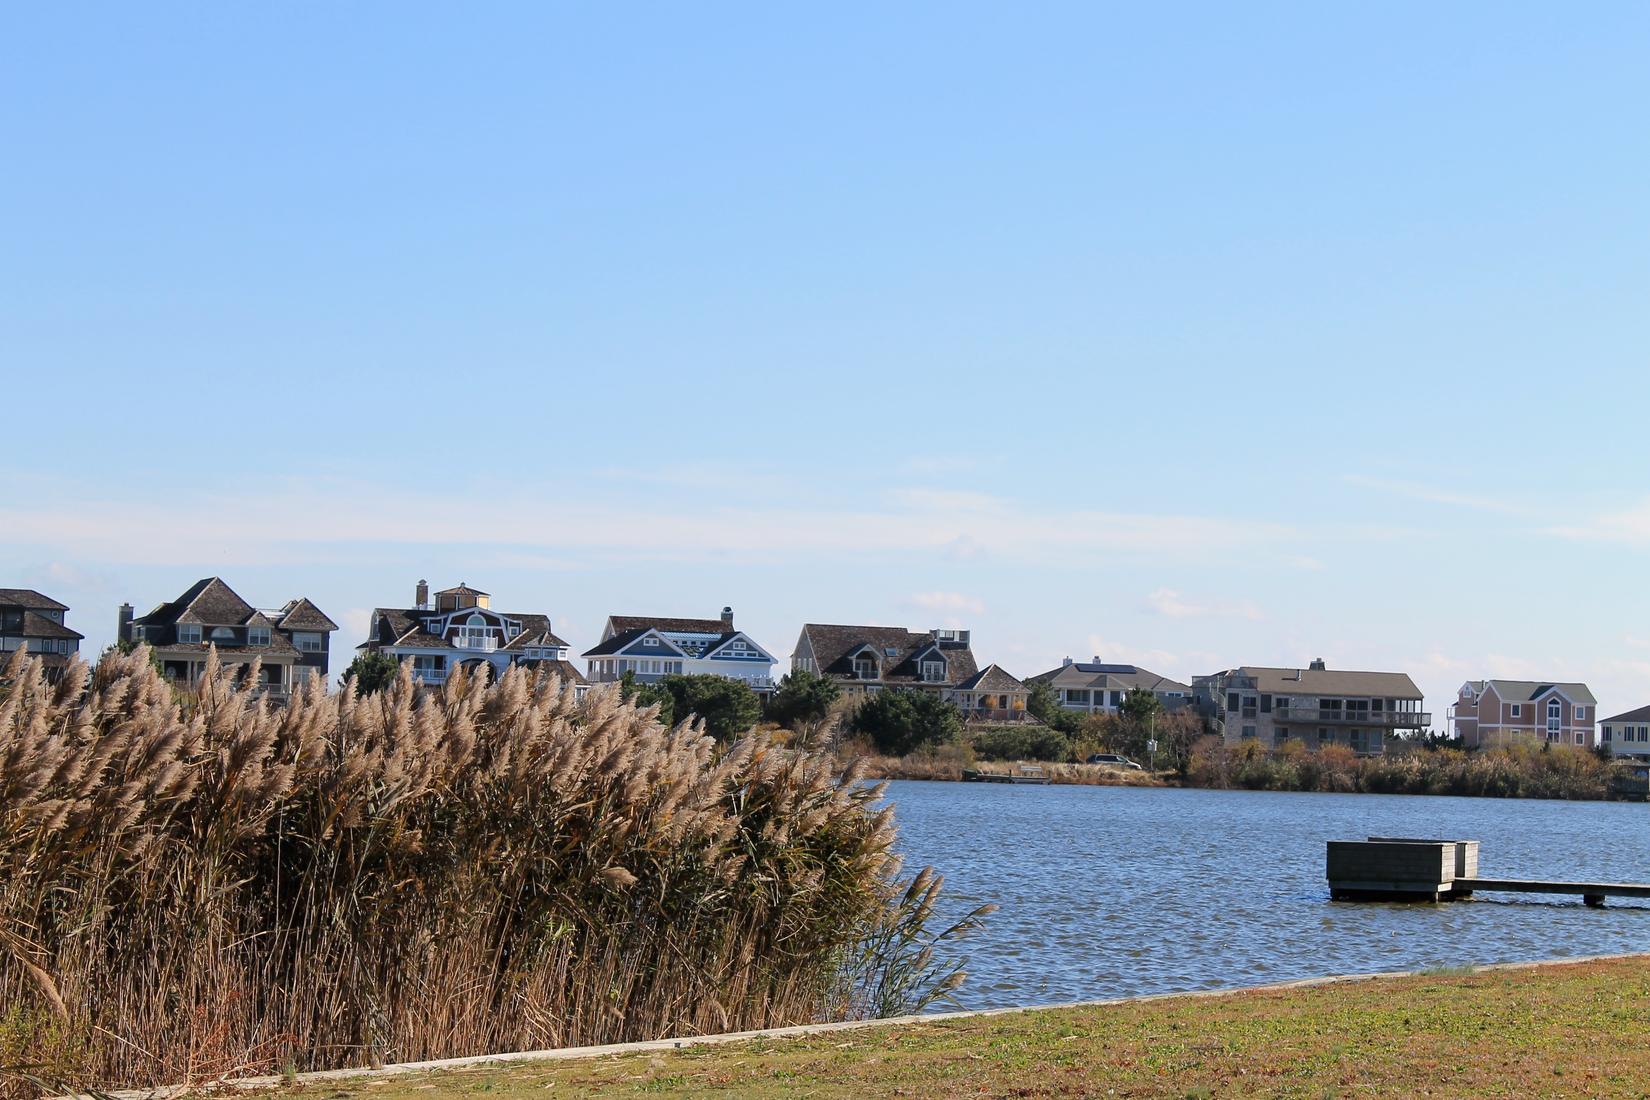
(421, 596)
(727, 618)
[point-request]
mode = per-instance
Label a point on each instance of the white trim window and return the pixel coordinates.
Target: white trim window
(650, 641)
(933, 671)
(257, 635)
(307, 643)
(189, 634)
(865, 668)
(1581, 714)
(1517, 710)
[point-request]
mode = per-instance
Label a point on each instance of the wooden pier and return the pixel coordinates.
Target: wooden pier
(1405, 869)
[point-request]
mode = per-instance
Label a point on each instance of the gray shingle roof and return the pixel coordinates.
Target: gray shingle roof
(1331, 682)
(29, 600)
(300, 614)
(833, 648)
(624, 624)
(619, 641)
(1642, 714)
(991, 678)
(1519, 691)
(208, 602)
(403, 626)
(1121, 677)
(38, 626)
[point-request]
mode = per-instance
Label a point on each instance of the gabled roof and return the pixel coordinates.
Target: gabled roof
(36, 625)
(1522, 691)
(1642, 714)
(833, 648)
(991, 678)
(1118, 677)
(29, 600)
(620, 642)
(624, 624)
(721, 643)
(300, 614)
(207, 602)
(462, 590)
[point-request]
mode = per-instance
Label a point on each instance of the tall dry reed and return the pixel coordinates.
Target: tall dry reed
(194, 887)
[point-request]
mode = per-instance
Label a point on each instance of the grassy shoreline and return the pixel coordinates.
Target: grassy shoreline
(1558, 1029)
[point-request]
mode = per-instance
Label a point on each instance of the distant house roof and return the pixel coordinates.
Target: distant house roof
(1642, 714)
(1331, 682)
(29, 600)
(564, 669)
(462, 590)
(403, 627)
(1518, 691)
(624, 624)
(1123, 677)
(36, 625)
(300, 614)
(991, 678)
(210, 602)
(619, 642)
(897, 650)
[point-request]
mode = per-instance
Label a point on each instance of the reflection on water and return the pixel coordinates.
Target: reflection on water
(1118, 891)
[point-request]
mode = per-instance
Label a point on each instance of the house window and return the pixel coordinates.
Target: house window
(650, 641)
(1248, 733)
(1517, 710)
(222, 634)
(307, 643)
(933, 670)
(257, 635)
(1581, 712)
(188, 634)
(865, 668)
(1117, 698)
(1555, 714)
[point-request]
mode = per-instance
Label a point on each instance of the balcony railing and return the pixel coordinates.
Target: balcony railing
(429, 675)
(995, 714)
(478, 645)
(1387, 719)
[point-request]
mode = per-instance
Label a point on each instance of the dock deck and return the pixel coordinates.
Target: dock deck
(1404, 869)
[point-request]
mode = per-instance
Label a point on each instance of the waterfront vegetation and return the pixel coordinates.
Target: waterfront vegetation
(195, 884)
(1547, 1031)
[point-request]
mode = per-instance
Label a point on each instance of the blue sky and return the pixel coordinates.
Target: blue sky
(1195, 336)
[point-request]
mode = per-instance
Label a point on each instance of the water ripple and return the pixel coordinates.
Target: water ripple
(1120, 891)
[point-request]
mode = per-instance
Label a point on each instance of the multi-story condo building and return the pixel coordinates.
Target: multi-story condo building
(651, 648)
(1316, 705)
(291, 642)
(1488, 713)
(1627, 735)
(28, 619)
(864, 659)
(1099, 688)
(460, 628)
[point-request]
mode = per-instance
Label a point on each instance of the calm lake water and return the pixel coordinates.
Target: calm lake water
(1118, 891)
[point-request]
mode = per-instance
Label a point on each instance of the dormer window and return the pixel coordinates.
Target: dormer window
(865, 668)
(189, 634)
(933, 670)
(222, 634)
(257, 635)
(650, 641)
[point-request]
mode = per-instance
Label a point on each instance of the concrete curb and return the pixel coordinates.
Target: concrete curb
(798, 1031)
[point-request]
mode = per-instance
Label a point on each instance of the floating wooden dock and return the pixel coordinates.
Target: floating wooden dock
(1033, 776)
(1405, 869)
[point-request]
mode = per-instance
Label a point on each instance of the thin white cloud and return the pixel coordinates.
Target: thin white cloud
(1305, 563)
(281, 524)
(1174, 605)
(1629, 526)
(1433, 494)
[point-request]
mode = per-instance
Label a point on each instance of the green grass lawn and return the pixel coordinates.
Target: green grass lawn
(1578, 1029)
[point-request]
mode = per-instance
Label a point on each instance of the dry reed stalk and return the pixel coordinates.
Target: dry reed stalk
(204, 885)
